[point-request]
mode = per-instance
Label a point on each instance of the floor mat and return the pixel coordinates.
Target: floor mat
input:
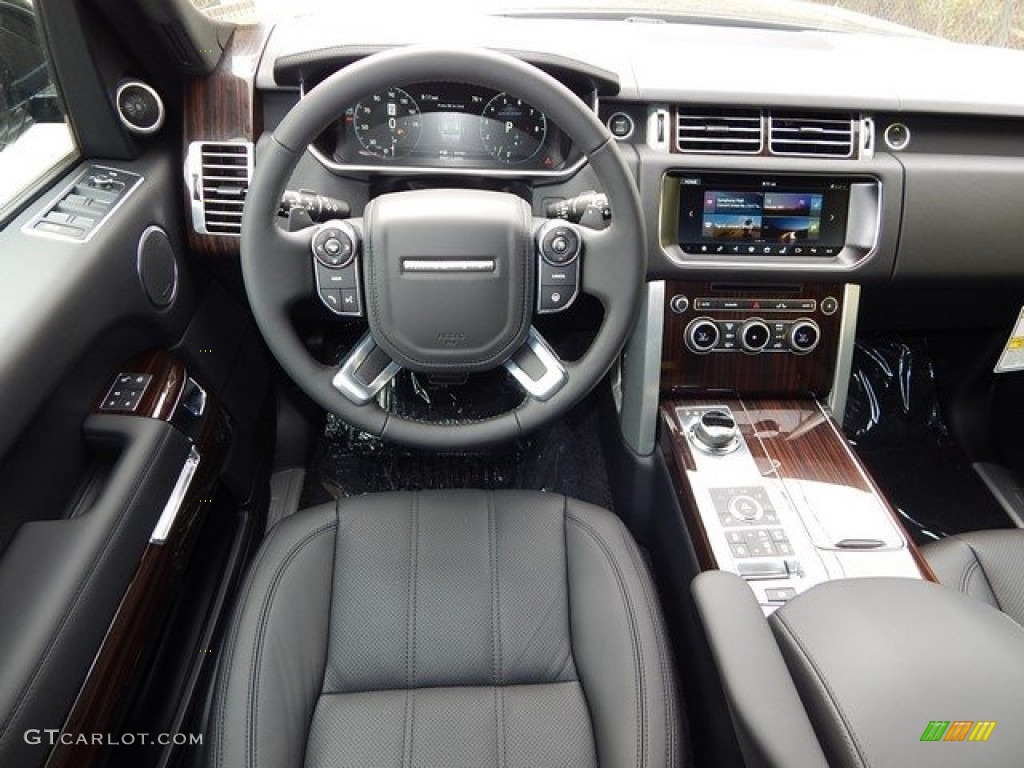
(563, 458)
(895, 422)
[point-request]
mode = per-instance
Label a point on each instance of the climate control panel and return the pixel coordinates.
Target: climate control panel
(705, 334)
(779, 338)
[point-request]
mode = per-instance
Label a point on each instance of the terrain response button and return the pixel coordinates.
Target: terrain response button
(746, 508)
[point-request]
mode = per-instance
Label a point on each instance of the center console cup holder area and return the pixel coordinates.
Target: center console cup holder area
(880, 672)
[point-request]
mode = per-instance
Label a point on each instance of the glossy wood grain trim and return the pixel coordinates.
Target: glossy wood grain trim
(795, 438)
(223, 106)
(146, 604)
(776, 374)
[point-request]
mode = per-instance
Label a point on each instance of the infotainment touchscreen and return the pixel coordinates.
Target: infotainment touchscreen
(746, 216)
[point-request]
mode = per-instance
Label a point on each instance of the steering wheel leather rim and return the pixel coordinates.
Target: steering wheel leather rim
(277, 267)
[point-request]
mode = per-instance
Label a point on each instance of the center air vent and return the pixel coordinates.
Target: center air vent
(819, 135)
(217, 175)
(718, 131)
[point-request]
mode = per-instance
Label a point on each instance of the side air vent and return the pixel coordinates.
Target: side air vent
(719, 131)
(217, 175)
(816, 135)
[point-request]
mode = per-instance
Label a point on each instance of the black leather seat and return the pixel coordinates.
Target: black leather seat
(458, 628)
(987, 565)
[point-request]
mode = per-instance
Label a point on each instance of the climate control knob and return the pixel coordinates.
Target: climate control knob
(804, 336)
(702, 335)
(755, 335)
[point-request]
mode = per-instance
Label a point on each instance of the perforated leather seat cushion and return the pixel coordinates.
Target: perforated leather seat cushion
(987, 565)
(457, 628)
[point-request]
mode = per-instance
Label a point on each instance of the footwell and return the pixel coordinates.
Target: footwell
(895, 421)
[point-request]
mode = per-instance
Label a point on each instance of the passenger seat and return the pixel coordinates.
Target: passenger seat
(986, 565)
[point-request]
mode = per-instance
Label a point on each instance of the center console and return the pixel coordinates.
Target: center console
(750, 377)
(776, 496)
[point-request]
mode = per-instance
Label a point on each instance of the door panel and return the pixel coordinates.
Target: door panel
(79, 493)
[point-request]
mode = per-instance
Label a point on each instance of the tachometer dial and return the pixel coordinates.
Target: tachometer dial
(512, 131)
(388, 124)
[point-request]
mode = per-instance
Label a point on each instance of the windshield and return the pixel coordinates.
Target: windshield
(981, 22)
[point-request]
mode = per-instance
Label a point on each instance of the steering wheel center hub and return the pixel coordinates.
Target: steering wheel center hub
(449, 277)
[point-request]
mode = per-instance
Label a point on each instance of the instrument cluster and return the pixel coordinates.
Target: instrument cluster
(445, 126)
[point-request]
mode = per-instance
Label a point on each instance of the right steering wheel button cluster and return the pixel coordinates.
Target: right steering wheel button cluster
(559, 246)
(335, 250)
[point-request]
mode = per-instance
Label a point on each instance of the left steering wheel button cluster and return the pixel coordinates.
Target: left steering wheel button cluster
(335, 249)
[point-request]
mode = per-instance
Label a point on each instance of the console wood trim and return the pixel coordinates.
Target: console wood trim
(222, 106)
(797, 439)
(775, 374)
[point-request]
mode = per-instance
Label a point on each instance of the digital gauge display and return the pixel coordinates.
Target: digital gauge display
(448, 125)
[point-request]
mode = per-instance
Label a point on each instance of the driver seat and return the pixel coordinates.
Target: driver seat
(447, 628)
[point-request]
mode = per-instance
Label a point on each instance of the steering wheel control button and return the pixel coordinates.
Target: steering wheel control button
(554, 298)
(335, 278)
(331, 299)
(679, 304)
(560, 243)
(755, 335)
(804, 336)
(556, 276)
(333, 248)
(702, 335)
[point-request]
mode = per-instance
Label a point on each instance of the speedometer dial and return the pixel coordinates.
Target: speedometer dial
(512, 131)
(388, 124)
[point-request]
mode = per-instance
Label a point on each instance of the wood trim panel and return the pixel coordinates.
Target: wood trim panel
(139, 619)
(775, 374)
(796, 438)
(222, 106)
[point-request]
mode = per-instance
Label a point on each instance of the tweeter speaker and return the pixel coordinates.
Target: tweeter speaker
(139, 107)
(158, 267)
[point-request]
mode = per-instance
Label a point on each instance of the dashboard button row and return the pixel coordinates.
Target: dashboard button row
(759, 249)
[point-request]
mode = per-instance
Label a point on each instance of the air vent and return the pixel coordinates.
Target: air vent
(816, 135)
(218, 176)
(719, 131)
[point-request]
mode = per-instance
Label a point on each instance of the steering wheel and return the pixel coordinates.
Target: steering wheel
(450, 276)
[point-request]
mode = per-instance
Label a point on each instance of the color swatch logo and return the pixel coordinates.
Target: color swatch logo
(958, 730)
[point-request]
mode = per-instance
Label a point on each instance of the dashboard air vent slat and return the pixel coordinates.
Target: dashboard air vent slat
(719, 131)
(218, 175)
(816, 135)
